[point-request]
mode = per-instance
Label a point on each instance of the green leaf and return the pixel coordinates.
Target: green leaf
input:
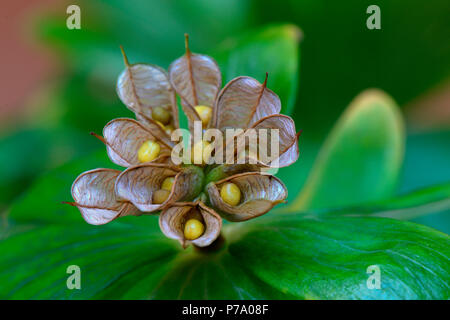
(429, 206)
(273, 49)
(193, 275)
(327, 258)
(361, 158)
(280, 256)
(431, 200)
(120, 261)
(27, 153)
(439, 221)
(426, 163)
(142, 264)
(34, 263)
(41, 203)
(427, 160)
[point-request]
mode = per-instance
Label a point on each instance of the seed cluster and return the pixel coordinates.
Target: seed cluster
(191, 199)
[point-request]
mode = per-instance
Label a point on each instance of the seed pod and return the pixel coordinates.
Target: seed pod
(242, 102)
(288, 138)
(197, 80)
(139, 183)
(172, 223)
(237, 192)
(142, 87)
(123, 138)
(260, 193)
(195, 77)
(93, 192)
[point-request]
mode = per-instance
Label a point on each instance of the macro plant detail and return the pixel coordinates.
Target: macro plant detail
(191, 198)
(367, 213)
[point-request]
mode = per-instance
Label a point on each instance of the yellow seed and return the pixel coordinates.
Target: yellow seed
(160, 124)
(193, 229)
(205, 114)
(167, 183)
(148, 151)
(160, 196)
(160, 114)
(201, 152)
(169, 129)
(230, 193)
(207, 150)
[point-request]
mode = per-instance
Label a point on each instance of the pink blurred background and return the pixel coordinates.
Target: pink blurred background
(27, 65)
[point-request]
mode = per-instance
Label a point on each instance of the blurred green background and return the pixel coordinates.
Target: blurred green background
(71, 74)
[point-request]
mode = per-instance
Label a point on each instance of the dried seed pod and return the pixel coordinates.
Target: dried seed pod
(139, 183)
(172, 223)
(142, 87)
(238, 191)
(288, 138)
(94, 195)
(260, 193)
(242, 102)
(124, 137)
(196, 78)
